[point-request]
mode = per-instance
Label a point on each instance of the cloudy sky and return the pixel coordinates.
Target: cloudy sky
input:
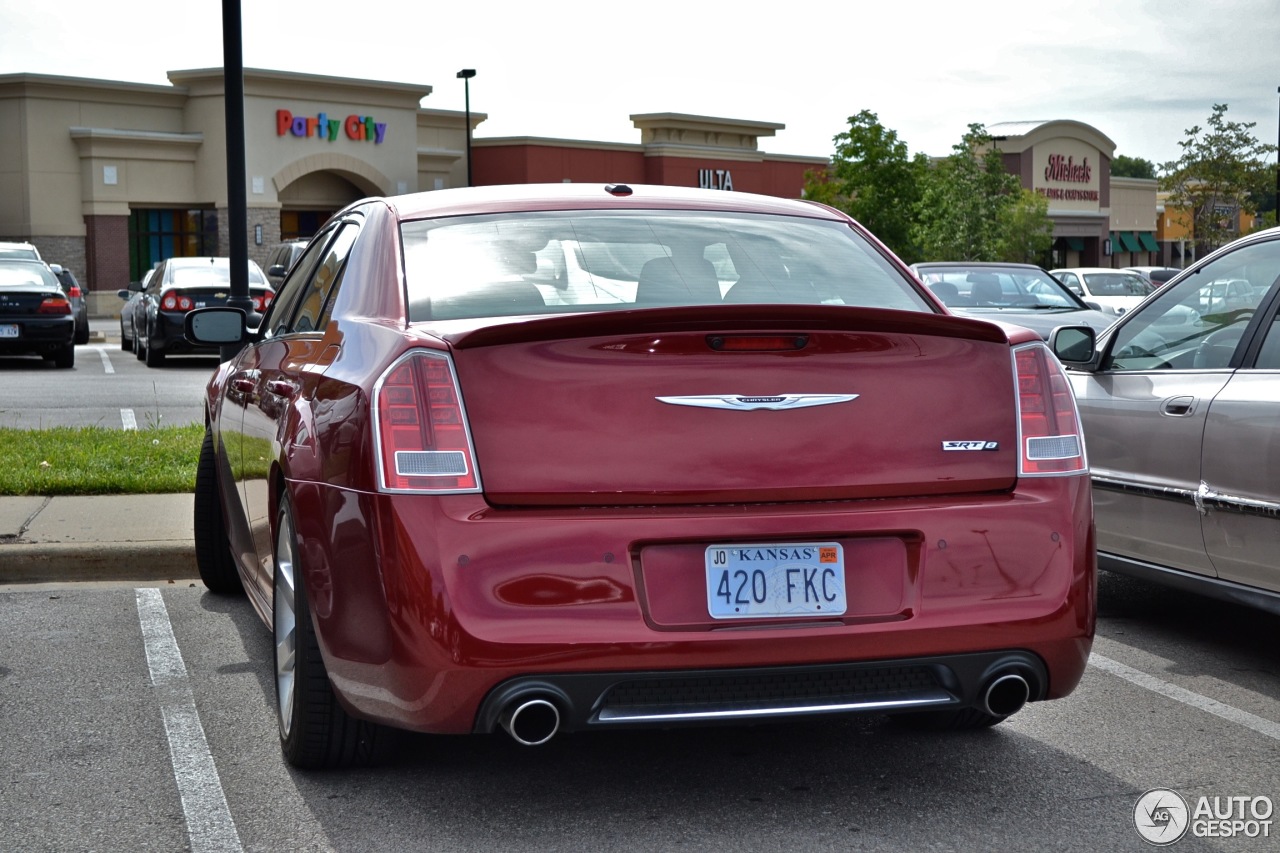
(1140, 71)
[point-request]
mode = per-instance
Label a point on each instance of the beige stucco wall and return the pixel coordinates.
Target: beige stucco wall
(166, 146)
(46, 187)
(442, 148)
(1133, 204)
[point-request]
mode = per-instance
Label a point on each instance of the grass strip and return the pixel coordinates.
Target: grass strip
(99, 461)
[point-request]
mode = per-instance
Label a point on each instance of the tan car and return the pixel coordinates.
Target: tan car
(1180, 403)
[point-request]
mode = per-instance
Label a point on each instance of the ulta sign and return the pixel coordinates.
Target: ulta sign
(357, 128)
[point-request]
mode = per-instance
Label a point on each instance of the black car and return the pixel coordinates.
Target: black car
(1013, 293)
(281, 260)
(35, 315)
(79, 308)
(154, 311)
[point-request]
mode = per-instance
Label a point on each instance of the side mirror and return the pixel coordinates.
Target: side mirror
(216, 326)
(1075, 346)
(124, 293)
(277, 270)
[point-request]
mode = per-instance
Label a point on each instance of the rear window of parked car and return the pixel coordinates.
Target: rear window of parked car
(25, 275)
(481, 266)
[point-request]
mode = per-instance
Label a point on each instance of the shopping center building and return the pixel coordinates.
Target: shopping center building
(108, 177)
(1098, 220)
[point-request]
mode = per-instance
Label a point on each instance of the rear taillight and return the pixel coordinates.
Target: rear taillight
(261, 301)
(54, 305)
(423, 441)
(176, 300)
(74, 292)
(1048, 423)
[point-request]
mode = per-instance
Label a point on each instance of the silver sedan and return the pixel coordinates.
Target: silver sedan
(1180, 403)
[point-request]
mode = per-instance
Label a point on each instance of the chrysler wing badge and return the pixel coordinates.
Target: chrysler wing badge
(746, 403)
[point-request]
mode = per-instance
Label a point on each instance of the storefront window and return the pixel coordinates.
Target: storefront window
(302, 224)
(156, 235)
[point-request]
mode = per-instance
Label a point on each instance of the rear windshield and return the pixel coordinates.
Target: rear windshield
(195, 275)
(1117, 284)
(26, 275)
(493, 266)
(997, 287)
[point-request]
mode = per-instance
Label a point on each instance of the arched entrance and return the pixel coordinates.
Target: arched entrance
(313, 188)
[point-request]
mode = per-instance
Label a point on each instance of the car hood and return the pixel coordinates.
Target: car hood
(1040, 322)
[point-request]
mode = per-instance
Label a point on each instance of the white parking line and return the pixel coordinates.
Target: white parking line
(127, 419)
(1181, 694)
(209, 823)
(107, 367)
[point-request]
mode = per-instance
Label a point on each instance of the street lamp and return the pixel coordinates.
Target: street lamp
(465, 76)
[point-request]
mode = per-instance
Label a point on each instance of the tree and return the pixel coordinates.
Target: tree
(874, 180)
(959, 215)
(1132, 167)
(1220, 173)
(1026, 231)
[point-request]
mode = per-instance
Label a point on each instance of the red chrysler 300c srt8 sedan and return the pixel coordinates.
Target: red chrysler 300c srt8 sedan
(576, 457)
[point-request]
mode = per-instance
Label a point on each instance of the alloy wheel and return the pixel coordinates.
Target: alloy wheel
(286, 624)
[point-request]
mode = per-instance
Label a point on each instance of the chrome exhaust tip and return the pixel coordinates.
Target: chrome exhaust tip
(531, 721)
(1006, 694)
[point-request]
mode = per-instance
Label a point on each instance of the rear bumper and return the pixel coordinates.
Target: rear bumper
(641, 699)
(171, 335)
(43, 335)
(431, 611)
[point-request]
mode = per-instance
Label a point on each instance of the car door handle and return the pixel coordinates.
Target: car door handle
(243, 384)
(281, 388)
(1178, 407)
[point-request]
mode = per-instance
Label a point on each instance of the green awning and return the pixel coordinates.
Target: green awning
(1129, 242)
(1075, 244)
(1148, 241)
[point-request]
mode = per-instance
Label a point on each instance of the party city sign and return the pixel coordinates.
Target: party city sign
(354, 127)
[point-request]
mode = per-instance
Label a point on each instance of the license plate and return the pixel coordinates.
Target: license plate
(786, 579)
(8, 330)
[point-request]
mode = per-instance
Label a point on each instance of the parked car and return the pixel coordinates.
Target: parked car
(1013, 293)
(1180, 409)
(35, 315)
(132, 296)
(21, 251)
(1113, 291)
(282, 258)
(460, 509)
(79, 307)
(154, 309)
(1158, 276)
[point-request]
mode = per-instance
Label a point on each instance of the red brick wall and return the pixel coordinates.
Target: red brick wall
(107, 252)
(539, 164)
(548, 164)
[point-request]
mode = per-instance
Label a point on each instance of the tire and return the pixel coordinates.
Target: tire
(126, 345)
(315, 731)
(139, 348)
(213, 548)
(82, 333)
(965, 719)
(65, 358)
(154, 357)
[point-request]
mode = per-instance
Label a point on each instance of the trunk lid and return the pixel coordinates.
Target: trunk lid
(638, 408)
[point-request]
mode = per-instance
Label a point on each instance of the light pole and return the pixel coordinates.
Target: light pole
(465, 76)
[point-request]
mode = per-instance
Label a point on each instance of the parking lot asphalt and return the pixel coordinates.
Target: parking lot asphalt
(97, 538)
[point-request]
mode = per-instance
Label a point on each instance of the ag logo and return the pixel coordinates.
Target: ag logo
(1161, 816)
